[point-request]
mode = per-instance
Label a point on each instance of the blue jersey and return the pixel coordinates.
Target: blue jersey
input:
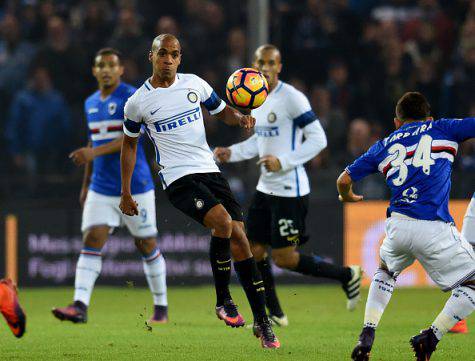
(417, 162)
(105, 119)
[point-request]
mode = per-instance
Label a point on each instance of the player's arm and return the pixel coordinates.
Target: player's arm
(363, 166)
(459, 129)
(86, 181)
(237, 152)
(315, 142)
(344, 185)
(128, 156)
(234, 117)
(87, 154)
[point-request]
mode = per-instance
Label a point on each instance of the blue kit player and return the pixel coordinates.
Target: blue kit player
(100, 193)
(417, 161)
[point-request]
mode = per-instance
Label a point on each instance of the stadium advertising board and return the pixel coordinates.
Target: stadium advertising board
(49, 242)
(364, 233)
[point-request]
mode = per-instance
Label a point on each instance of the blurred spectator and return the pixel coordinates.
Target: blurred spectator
(15, 57)
(236, 57)
(64, 60)
(38, 126)
(129, 40)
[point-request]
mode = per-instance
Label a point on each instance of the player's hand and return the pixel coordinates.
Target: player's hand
(82, 156)
(270, 162)
(83, 195)
(128, 206)
(247, 121)
(350, 197)
(222, 154)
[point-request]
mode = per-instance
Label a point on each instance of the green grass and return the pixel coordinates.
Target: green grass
(320, 327)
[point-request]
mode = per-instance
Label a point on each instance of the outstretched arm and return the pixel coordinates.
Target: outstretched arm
(87, 154)
(232, 116)
(127, 164)
(345, 189)
(237, 152)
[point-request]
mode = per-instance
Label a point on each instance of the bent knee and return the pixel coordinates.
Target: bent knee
(284, 262)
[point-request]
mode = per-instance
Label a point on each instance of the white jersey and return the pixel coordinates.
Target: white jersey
(281, 122)
(174, 122)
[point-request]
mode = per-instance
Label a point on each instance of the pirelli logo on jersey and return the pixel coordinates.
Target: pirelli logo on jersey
(178, 120)
(267, 131)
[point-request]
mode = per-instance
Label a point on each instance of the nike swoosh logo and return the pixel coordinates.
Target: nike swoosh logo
(256, 283)
(223, 262)
(156, 110)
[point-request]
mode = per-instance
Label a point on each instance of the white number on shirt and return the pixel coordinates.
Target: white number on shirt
(422, 158)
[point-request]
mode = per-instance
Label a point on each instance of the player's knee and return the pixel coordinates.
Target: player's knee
(223, 225)
(145, 246)
(283, 261)
(258, 251)
(94, 239)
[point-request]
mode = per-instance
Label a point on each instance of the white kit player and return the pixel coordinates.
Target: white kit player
(468, 232)
(416, 161)
(168, 105)
(277, 214)
(100, 194)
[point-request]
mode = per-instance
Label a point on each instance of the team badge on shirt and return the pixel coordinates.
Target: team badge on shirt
(192, 97)
(112, 107)
(271, 118)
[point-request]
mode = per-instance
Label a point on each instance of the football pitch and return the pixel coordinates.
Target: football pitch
(320, 327)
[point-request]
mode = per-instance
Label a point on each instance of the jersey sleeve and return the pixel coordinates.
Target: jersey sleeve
(300, 110)
(132, 118)
(366, 164)
(458, 129)
(212, 102)
(244, 150)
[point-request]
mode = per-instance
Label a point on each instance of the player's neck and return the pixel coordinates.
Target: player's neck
(273, 86)
(161, 82)
(106, 91)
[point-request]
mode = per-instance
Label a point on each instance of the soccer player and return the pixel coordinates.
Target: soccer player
(468, 232)
(417, 160)
(168, 104)
(10, 307)
(278, 210)
(100, 193)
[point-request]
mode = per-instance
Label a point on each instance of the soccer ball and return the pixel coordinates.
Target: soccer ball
(247, 88)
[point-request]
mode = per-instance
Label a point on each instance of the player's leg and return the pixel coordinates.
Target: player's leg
(252, 283)
(468, 232)
(144, 230)
(88, 269)
(192, 196)
(395, 256)
(450, 261)
(288, 231)
(258, 226)
(99, 216)
(11, 309)
(155, 270)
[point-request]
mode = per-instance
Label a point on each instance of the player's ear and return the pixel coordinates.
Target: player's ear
(279, 68)
(397, 123)
(150, 56)
(121, 70)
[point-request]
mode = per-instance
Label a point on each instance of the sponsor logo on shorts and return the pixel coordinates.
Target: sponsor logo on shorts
(199, 203)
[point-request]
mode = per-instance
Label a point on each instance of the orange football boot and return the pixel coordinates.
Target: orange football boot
(460, 327)
(10, 308)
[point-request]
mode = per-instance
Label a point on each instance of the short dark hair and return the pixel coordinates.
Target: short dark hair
(412, 106)
(108, 51)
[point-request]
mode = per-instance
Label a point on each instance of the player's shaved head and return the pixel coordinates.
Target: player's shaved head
(268, 48)
(164, 38)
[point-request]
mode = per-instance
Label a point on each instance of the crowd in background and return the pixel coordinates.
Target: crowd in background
(353, 59)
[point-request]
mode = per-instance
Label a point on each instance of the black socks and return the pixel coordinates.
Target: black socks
(253, 286)
(272, 302)
(220, 258)
(316, 267)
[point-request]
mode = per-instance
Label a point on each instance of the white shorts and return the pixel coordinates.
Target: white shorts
(446, 256)
(468, 228)
(102, 210)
